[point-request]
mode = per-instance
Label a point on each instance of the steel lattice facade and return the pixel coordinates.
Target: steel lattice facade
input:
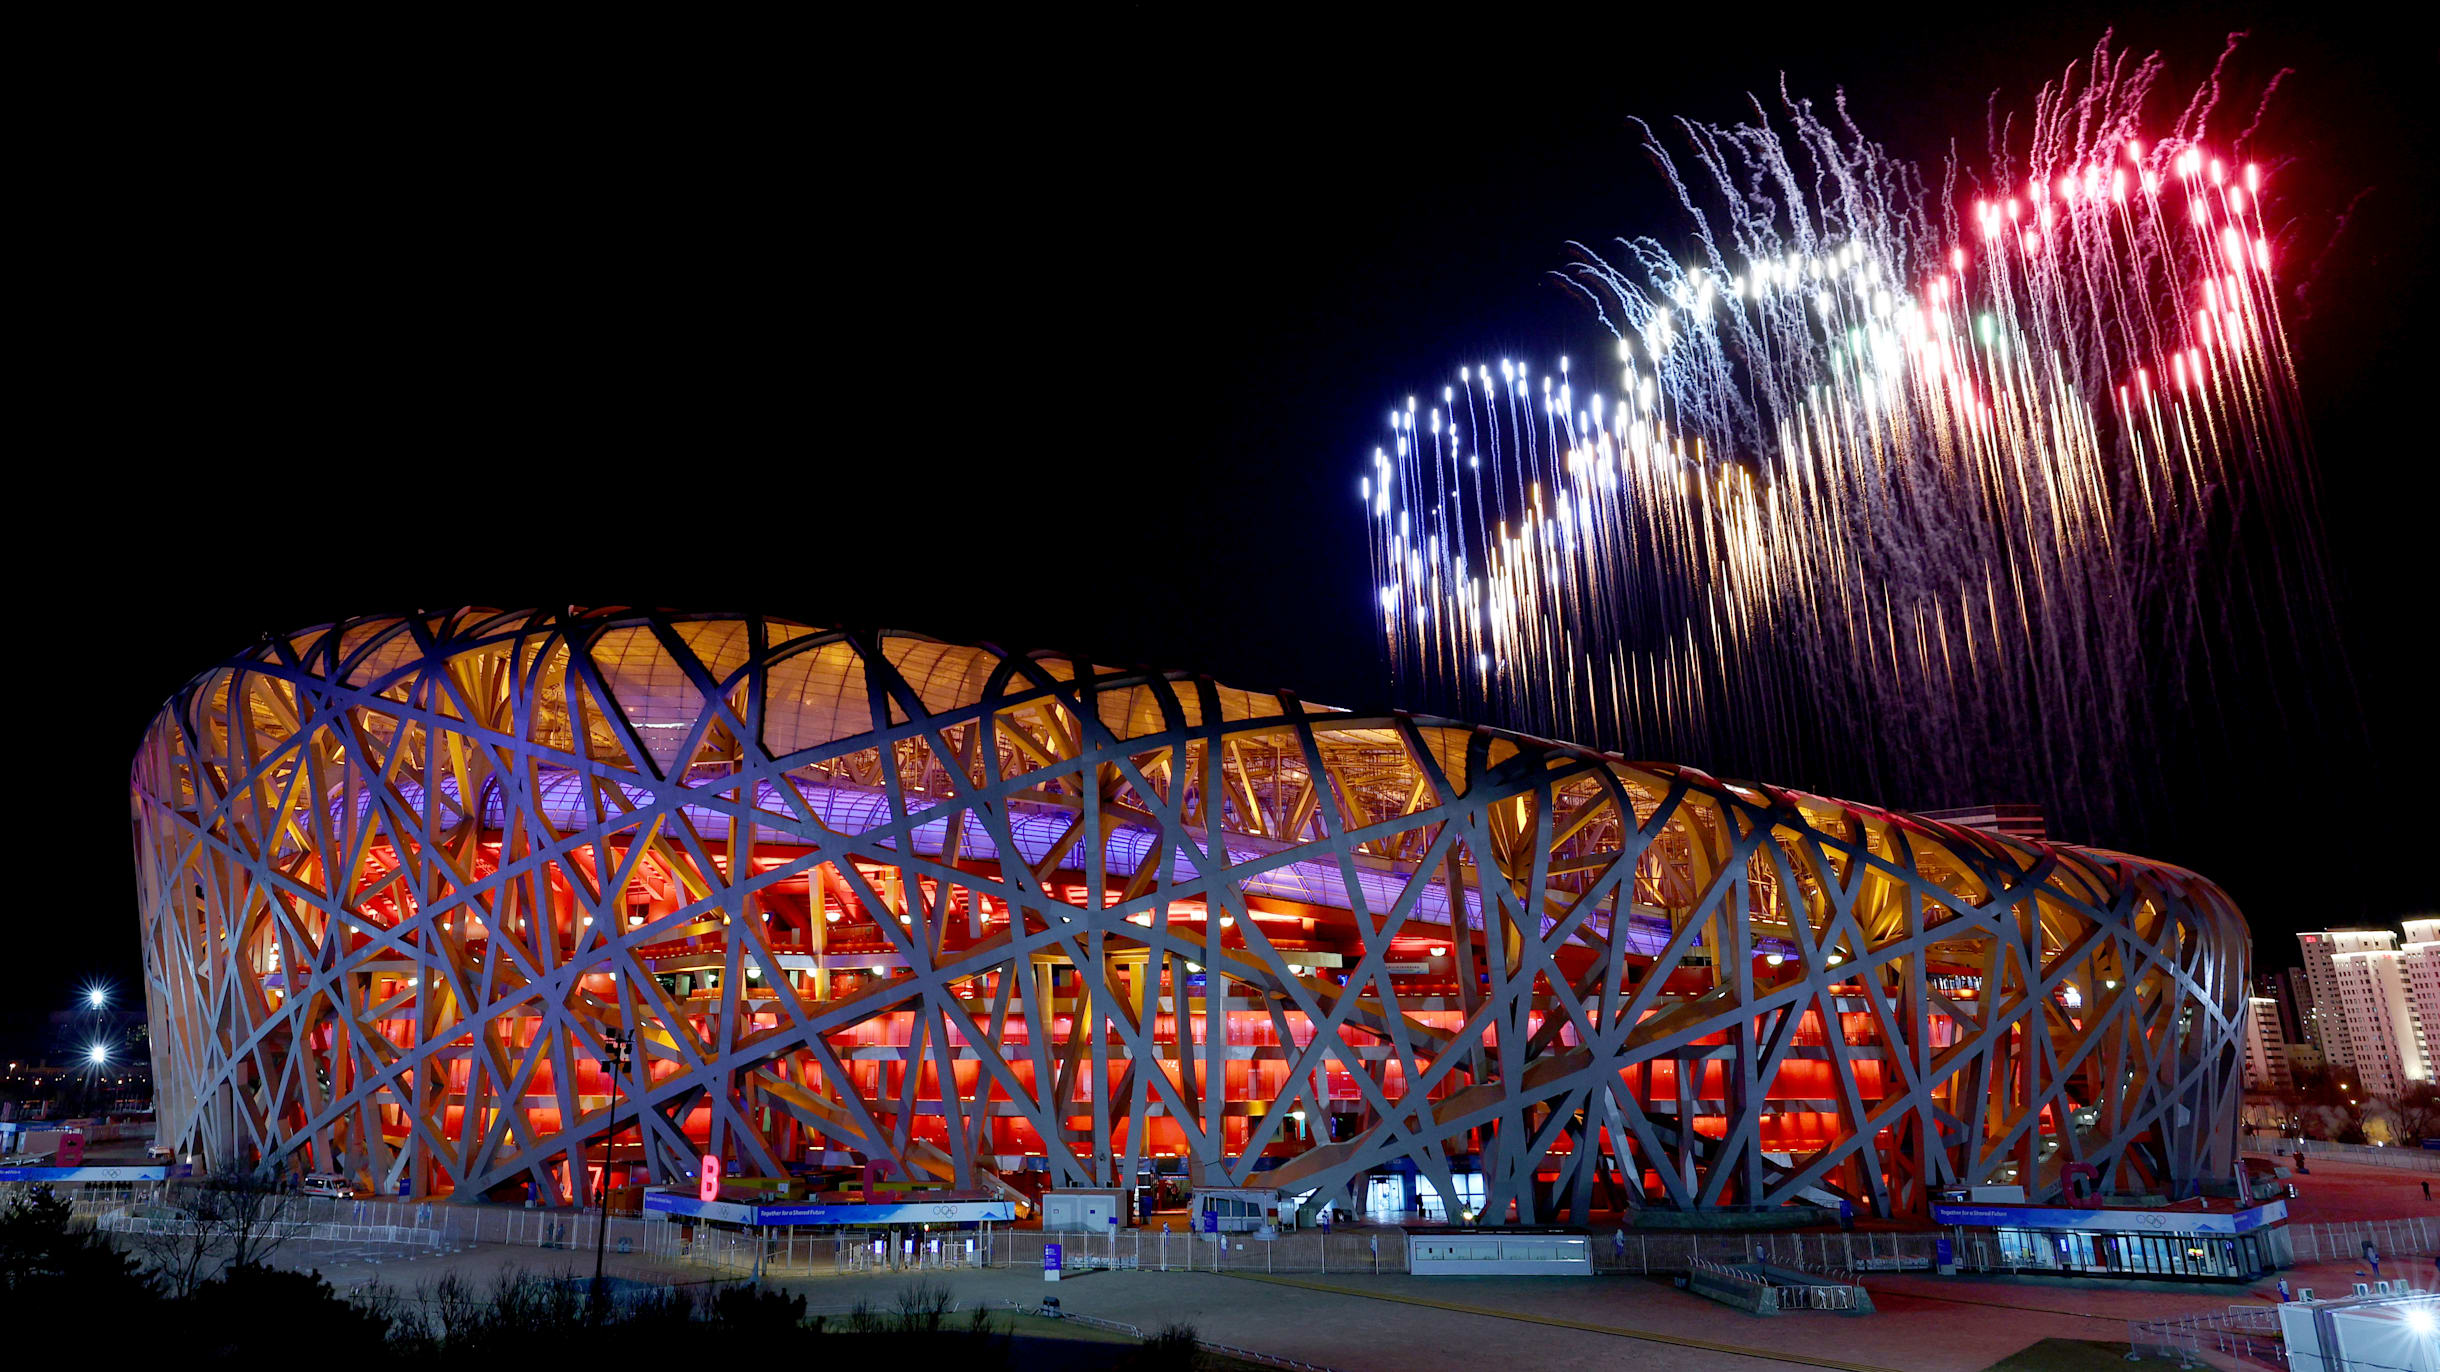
(978, 913)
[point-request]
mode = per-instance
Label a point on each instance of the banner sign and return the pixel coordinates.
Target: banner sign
(2112, 1221)
(910, 1212)
(913, 1212)
(667, 1203)
(83, 1173)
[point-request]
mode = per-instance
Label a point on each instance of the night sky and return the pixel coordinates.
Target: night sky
(1068, 339)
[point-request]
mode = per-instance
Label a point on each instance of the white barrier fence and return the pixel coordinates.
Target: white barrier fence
(734, 1252)
(275, 1231)
(779, 1251)
(474, 1224)
(2249, 1332)
(2370, 1155)
(2419, 1237)
(1384, 1250)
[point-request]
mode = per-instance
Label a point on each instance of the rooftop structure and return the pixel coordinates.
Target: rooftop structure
(2014, 819)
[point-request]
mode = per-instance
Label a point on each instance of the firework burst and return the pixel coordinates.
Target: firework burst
(1956, 491)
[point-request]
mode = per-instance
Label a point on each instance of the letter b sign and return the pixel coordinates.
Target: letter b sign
(708, 1188)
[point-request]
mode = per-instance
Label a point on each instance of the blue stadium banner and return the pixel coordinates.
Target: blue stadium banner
(2111, 1221)
(960, 1211)
(81, 1174)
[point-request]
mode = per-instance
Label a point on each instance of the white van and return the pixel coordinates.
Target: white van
(327, 1184)
(159, 1152)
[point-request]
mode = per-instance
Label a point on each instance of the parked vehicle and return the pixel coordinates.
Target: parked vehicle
(159, 1152)
(327, 1184)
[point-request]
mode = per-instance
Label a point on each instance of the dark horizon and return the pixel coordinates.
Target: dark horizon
(1055, 354)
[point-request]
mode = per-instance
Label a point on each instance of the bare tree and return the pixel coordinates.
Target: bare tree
(252, 1213)
(177, 1249)
(2418, 1111)
(238, 1217)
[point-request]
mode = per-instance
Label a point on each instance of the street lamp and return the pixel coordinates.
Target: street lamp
(617, 1050)
(97, 996)
(98, 1054)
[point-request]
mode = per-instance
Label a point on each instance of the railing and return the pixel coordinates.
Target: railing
(1162, 1250)
(477, 1224)
(1766, 1296)
(2242, 1331)
(2403, 1159)
(89, 1199)
(1363, 1251)
(285, 1216)
(1838, 1295)
(1841, 1255)
(733, 1252)
(2344, 1241)
(279, 1231)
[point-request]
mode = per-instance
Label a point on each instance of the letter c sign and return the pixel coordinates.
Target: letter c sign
(708, 1189)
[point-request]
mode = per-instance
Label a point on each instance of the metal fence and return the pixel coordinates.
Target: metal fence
(729, 1252)
(87, 1199)
(495, 1224)
(2344, 1242)
(1384, 1250)
(1864, 1251)
(1755, 1288)
(274, 1231)
(640, 1249)
(1771, 1295)
(2403, 1159)
(2250, 1332)
(1841, 1256)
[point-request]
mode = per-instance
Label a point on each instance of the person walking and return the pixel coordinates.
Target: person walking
(2427, 1190)
(1618, 1245)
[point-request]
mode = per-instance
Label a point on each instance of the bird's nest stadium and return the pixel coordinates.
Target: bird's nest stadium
(1015, 921)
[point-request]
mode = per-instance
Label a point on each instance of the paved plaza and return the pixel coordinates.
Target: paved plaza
(1393, 1323)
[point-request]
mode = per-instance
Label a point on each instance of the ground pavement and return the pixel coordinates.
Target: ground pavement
(1393, 1323)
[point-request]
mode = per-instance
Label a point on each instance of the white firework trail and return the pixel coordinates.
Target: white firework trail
(1956, 493)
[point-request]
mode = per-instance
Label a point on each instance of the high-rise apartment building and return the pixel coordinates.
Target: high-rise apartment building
(2321, 977)
(2266, 1058)
(2371, 1029)
(2295, 996)
(2422, 959)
